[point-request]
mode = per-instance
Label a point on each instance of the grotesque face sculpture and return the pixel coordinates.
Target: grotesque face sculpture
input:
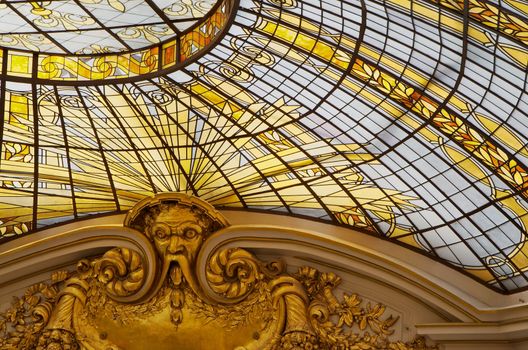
(177, 225)
(178, 231)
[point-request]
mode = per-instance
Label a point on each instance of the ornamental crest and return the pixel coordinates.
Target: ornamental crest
(114, 302)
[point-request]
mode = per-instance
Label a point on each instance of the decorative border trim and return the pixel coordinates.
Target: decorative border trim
(106, 68)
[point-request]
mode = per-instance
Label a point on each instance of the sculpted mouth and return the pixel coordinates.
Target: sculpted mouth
(176, 260)
(173, 257)
(180, 257)
(175, 254)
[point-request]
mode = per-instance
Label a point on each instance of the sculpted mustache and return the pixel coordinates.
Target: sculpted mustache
(184, 265)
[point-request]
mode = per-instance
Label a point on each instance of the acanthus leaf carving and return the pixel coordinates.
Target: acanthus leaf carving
(277, 309)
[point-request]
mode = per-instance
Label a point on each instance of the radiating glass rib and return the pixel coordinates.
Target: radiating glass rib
(382, 116)
(203, 151)
(100, 149)
(136, 152)
(63, 127)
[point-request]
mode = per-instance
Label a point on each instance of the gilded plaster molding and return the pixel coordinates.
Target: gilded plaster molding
(192, 298)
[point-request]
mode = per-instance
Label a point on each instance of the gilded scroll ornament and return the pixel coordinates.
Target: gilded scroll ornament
(238, 302)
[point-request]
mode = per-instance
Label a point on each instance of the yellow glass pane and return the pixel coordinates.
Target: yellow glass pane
(20, 64)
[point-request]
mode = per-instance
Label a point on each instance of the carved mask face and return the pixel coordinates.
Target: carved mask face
(177, 232)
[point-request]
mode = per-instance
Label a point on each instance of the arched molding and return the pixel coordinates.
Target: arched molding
(32, 255)
(406, 269)
(473, 312)
(434, 282)
(150, 271)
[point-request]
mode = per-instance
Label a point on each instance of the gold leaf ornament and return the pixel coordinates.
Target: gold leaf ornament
(121, 271)
(232, 273)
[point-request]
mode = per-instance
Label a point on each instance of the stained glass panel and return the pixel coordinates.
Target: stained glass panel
(403, 119)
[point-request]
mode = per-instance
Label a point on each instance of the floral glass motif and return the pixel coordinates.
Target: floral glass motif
(404, 119)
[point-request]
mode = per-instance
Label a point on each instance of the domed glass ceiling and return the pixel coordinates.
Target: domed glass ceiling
(94, 26)
(403, 119)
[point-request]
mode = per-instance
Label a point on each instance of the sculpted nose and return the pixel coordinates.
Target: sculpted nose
(174, 245)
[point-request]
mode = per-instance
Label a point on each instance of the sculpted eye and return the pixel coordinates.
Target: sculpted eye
(190, 233)
(161, 232)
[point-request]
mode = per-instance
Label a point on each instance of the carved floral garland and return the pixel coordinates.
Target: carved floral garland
(300, 310)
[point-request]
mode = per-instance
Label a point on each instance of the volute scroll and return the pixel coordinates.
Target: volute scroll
(226, 298)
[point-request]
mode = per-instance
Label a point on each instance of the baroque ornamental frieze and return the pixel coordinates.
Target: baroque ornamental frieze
(113, 302)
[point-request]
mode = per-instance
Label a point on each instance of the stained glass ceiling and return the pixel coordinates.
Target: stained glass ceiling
(95, 26)
(405, 119)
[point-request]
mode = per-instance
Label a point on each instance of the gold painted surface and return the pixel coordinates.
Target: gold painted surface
(245, 303)
(197, 332)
